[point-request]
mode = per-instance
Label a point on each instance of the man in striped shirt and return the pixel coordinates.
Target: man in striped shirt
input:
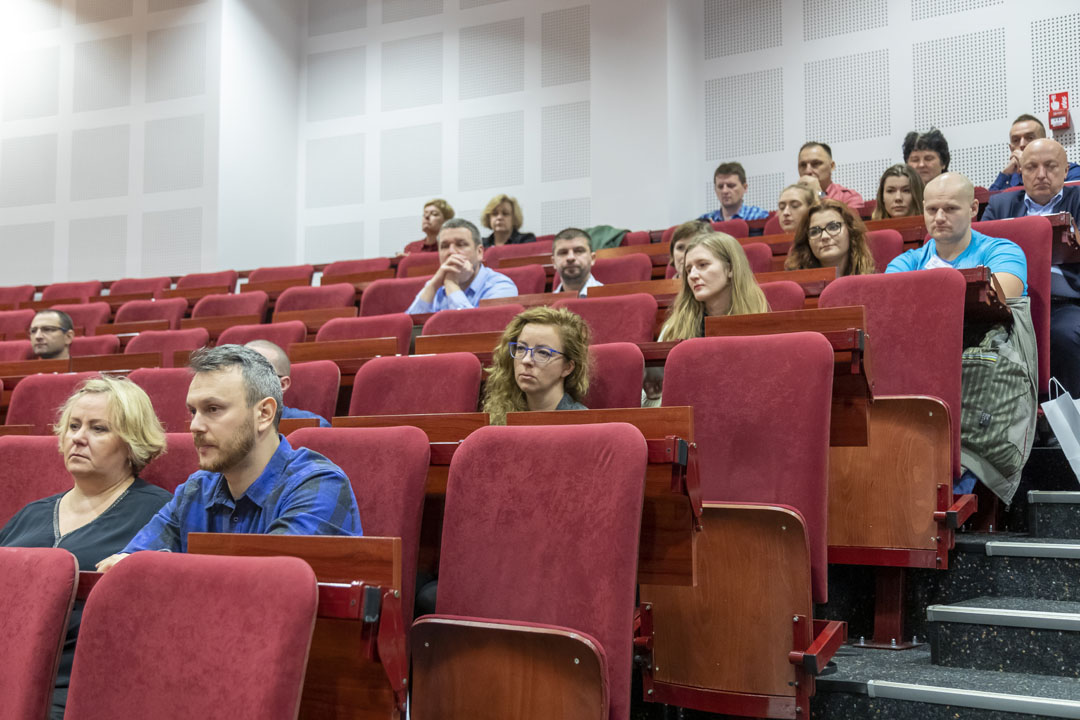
(729, 182)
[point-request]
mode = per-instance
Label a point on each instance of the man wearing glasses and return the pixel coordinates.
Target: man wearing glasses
(51, 333)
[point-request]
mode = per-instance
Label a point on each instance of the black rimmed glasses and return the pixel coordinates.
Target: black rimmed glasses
(541, 354)
(832, 228)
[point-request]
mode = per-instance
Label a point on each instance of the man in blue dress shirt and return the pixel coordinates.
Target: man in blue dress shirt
(729, 183)
(1025, 129)
(249, 480)
(462, 280)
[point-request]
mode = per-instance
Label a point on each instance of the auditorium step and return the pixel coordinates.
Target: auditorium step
(1013, 634)
(906, 686)
(1055, 513)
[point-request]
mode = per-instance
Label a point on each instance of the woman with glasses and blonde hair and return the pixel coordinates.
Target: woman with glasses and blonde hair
(540, 363)
(107, 434)
(899, 193)
(831, 235)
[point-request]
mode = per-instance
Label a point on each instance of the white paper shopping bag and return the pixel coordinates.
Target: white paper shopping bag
(1064, 415)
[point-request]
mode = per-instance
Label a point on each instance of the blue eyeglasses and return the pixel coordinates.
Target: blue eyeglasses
(541, 354)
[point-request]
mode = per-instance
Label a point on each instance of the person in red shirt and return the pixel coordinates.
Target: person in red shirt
(816, 167)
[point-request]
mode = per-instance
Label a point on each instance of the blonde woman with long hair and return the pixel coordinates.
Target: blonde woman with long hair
(540, 363)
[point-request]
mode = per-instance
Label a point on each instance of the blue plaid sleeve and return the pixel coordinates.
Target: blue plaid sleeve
(320, 503)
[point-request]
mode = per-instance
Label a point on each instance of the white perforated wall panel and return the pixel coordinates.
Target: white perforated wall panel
(331, 16)
(828, 18)
(412, 72)
(738, 26)
(172, 242)
(411, 162)
(32, 85)
(28, 253)
(97, 248)
(740, 123)
(980, 163)
(564, 46)
(175, 62)
(26, 16)
(399, 10)
(102, 73)
(923, 9)
(90, 11)
(99, 162)
(1055, 62)
(397, 232)
(556, 215)
(28, 171)
(960, 79)
(326, 243)
(492, 59)
(467, 4)
(564, 142)
(862, 175)
(861, 111)
(159, 5)
(336, 84)
(762, 190)
(491, 151)
(174, 154)
(335, 171)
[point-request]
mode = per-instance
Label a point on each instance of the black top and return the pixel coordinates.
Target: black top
(37, 525)
(516, 238)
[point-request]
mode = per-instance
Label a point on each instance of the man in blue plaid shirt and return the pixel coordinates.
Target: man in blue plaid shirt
(729, 182)
(250, 480)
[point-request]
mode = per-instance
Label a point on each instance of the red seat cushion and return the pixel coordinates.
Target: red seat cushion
(249, 303)
(447, 383)
(167, 342)
(167, 388)
(397, 325)
(171, 309)
(784, 295)
(314, 387)
(623, 318)
(390, 296)
(285, 272)
(225, 278)
(82, 291)
(627, 268)
(37, 399)
(615, 376)
(281, 334)
(310, 298)
(474, 320)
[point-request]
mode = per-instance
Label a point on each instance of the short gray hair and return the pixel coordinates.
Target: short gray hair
(461, 223)
(260, 378)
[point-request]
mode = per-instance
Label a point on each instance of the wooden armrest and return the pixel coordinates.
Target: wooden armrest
(316, 318)
(480, 342)
(360, 278)
(131, 328)
(440, 427)
(116, 362)
(829, 635)
(343, 349)
(16, 430)
(958, 513)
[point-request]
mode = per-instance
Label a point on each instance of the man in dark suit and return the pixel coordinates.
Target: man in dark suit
(1043, 165)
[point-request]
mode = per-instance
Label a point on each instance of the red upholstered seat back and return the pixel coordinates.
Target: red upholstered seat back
(37, 399)
(15, 323)
(759, 255)
(249, 303)
(915, 321)
(772, 226)
(195, 612)
(284, 272)
(548, 552)
(497, 253)
(225, 278)
(15, 294)
(639, 237)
(71, 290)
(171, 309)
(615, 374)
(167, 342)
(1034, 235)
(175, 466)
(408, 385)
(784, 295)
(94, 345)
(623, 318)
(748, 394)
(397, 325)
(33, 469)
(348, 267)
(388, 471)
(167, 388)
(281, 334)
(37, 591)
(735, 228)
(485, 319)
(129, 286)
(421, 259)
(15, 350)
(628, 268)
(322, 296)
(529, 279)
(87, 315)
(390, 296)
(314, 387)
(885, 245)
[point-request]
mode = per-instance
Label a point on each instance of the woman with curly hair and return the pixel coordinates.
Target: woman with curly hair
(831, 235)
(540, 363)
(716, 280)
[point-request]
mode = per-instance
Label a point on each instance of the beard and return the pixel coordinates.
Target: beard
(231, 453)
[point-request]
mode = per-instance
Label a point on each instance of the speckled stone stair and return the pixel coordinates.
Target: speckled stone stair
(1010, 634)
(1054, 513)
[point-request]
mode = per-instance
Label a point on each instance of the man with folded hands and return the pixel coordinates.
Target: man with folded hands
(462, 279)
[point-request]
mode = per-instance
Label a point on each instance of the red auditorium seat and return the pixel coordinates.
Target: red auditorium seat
(225, 278)
(284, 272)
(349, 267)
(628, 268)
(130, 286)
(94, 345)
(623, 318)
(33, 469)
(1034, 235)
(409, 385)
(322, 296)
(16, 294)
(416, 260)
(495, 254)
(504, 585)
(735, 228)
(87, 315)
(772, 226)
(637, 238)
(194, 614)
(485, 319)
(388, 470)
(167, 388)
(81, 291)
(169, 470)
(529, 279)
(15, 350)
(383, 297)
(15, 323)
(885, 245)
(249, 303)
(784, 295)
(171, 309)
(314, 387)
(167, 342)
(281, 334)
(615, 376)
(37, 593)
(397, 325)
(37, 399)
(759, 255)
